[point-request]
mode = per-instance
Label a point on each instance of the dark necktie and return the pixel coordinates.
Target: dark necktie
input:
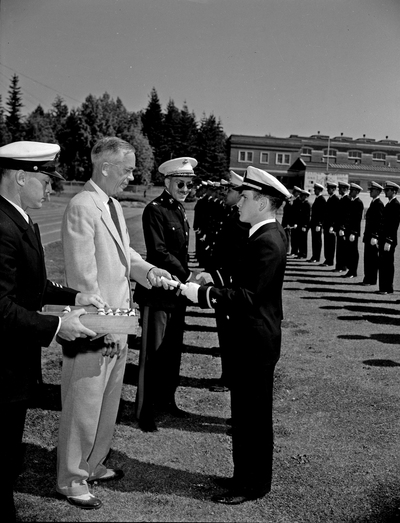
(114, 216)
(31, 225)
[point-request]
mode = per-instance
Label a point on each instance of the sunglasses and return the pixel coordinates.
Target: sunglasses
(181, 185)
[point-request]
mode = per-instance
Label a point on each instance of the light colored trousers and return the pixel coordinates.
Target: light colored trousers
(90, 393)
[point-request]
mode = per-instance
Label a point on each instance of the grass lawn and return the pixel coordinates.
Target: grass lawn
(337, 419)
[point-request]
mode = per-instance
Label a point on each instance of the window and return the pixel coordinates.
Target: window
(380, 157)
(264, 157)
(398, 157)
(306, 151)
(331, 153)
(246, 156)
(354, 155)
(282, 159)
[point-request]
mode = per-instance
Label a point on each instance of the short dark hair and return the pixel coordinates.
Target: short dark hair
(276, 201)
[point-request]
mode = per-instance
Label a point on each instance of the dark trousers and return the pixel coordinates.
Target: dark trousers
(225, 344)
(386, 269)
(252, 431)
(316, 242)
(288, 233)
(11, 442)
(353, 256)
(371, 262)
(295, 241)
(160, 358)
(329, 247)
(303, 243)
(341, 253)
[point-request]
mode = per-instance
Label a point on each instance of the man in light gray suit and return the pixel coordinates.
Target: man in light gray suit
(98, 259)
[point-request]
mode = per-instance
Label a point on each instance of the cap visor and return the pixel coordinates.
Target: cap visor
(55, 174)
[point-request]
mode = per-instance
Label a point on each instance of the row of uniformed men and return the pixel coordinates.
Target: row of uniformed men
(334, 222)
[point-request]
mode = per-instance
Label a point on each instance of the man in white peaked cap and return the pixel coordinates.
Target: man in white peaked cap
(254, 305)
(26, 170)
(166, 234)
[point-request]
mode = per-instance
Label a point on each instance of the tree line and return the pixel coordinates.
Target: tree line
(157, 135)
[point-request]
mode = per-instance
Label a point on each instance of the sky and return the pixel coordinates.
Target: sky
(263, 67)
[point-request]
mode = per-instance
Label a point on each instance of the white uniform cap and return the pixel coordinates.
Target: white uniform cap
(318, 186)
(259, 180)
(178, 167)
(30, 157)
(355, 186)
(234, 179)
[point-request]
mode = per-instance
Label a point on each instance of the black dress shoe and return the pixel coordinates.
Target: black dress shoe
(148, 425)
(175, 411)
(225, 483)
(86, 504)
(234, 497)
(111, 475)
(229, 421)
(219, 387)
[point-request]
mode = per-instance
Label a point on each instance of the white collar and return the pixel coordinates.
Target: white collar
(19, 209)
(260, 224)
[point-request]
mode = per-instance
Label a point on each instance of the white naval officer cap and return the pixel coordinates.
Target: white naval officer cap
(259, 180)
(178, 167)
(392, 185)
(31, 157)
(375, 185)
(355, 186)
(319, 186)
(234, 180)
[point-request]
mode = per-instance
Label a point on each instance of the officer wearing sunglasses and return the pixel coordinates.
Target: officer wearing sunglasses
(166, 234)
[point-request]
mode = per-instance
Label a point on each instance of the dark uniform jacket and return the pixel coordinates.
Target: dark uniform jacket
(331, 211)
(229, 248)
(304, 214)
(254, 303)
(24, 289)
(166, 233)
(355, 213)
(391, 220)
(373, 220)
(318, 210)
(342, 217)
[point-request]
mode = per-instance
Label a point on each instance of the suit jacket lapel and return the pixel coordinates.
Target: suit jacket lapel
(108, 222)
(30, 234)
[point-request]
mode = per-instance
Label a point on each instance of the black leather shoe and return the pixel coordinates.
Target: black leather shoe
(87, 504)
(148, 425)
(233, 497)
(111, 475)
(225, 483)
(219, 387)
(173, 410)
(229, 421)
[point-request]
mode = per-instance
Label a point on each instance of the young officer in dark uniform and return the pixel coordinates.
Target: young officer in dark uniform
(227, 254)
(353, 230)
(303, 223)
(166, 233)
(26, 169)
(317, 222)
(294, 215)
(372, 232)
(329, 224)
(388, 239)
(254, 305)
(341, 227)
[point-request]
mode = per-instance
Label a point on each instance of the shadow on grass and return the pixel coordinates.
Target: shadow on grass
(381, 363)
(39, 478)
(380, 320)
(196, 423)
(392, 339)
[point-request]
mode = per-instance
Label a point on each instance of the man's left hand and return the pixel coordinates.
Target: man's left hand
(90, 299)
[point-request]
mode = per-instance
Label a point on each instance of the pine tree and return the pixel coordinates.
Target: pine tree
(37, 126)
(14, 105)
(153, 129)
(5, 136)
(212, 148)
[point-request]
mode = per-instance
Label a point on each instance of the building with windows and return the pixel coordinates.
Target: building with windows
(301, 160)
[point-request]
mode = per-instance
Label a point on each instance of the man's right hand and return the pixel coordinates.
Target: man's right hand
(71, 328)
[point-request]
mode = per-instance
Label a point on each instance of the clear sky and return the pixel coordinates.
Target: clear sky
(275, 67)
